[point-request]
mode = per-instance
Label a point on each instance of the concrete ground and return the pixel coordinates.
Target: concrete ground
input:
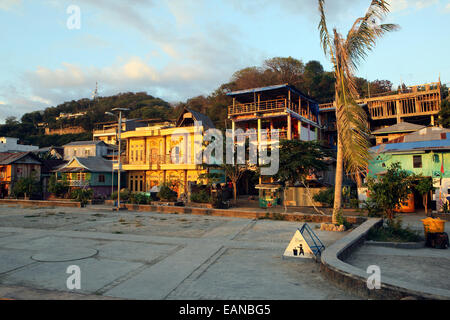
(424, 267)
(153, 256)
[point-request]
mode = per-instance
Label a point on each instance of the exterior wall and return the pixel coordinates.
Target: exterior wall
(390, 136)
(67, 130)
(299, 197)
(85, 151)
(10, 144)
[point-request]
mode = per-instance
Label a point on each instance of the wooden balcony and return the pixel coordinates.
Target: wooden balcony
(278, 105)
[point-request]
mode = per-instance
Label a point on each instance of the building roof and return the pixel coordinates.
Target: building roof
(84, 143)
(11, 157)
(443, 144)
(425, 134)
(51, 165)
(399, 127)
(198, 116)
(92, 164)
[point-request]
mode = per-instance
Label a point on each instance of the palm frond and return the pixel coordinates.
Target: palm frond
(365, 31)
(323, 29)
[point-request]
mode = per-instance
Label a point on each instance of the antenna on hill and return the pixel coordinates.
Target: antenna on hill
(95, 92)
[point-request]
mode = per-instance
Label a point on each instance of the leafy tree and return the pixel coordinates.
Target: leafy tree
(27, 187)
(424, 186)
(444, 114)
(346, 55)
(298, 160)
(390, 190)
(166, 193)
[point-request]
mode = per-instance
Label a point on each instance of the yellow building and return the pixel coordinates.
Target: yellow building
(165, 153)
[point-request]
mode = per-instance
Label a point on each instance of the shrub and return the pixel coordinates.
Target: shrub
(140, 198)
(57, 187)
(340, 220)
(325, 197)
(372, 208)
(166, 193)
(201, 196)
(393, 231)
(124, 195)
(82, 195)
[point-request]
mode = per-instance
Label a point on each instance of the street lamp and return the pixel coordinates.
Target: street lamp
(118, 154)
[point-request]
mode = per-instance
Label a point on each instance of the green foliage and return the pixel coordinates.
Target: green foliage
(201, 196)
(299, 158)
(59, 188)
(166, 193)
(325, 197)
(82, 195)
(444, 113)
(391, 189)
(424, 185)
(392, 231)
(372, 208)
(140, 198)
(340, 220)
(124, 195)
(28, 187)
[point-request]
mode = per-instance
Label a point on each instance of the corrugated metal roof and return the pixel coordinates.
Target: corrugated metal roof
(399, 127)
(413, 146)
(11, 157)
(84, 143)
(92, 164)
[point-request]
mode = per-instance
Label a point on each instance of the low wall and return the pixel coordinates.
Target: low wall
(354, 279)
(240, 213)
(42, 203)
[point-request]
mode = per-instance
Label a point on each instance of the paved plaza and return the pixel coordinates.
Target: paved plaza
(422, 267)
(153, 256)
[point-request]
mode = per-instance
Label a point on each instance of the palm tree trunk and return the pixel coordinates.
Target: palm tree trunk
(338, 182)
(235, 191)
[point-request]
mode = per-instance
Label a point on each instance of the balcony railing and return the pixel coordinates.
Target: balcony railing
(269, 105)
(78, 183)
(153, 160)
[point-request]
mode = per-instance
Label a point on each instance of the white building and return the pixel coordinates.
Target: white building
(85, 149)
(11, 145)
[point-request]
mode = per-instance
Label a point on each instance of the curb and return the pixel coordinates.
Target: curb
(398, 245)
(354, 279)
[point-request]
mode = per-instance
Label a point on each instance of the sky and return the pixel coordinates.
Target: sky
(177, 49)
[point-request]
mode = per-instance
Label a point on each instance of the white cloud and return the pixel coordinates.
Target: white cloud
(9, 4)
(401, 5)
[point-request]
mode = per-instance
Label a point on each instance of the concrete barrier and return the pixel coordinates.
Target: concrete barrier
(354, 279)
(42, 203)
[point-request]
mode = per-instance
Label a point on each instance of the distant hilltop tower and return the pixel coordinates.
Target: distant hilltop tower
(95, 92)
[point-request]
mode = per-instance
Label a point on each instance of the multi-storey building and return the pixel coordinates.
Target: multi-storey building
(417, 105)
(280, 107)
(165, 153)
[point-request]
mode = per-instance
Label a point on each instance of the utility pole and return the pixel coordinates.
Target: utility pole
(119, 162)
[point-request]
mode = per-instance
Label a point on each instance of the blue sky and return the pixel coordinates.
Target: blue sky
(176, 49)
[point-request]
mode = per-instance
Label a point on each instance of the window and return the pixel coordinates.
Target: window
(101, 178)
(436, 158)
(385, 140)
(417, 161)
(86, 152)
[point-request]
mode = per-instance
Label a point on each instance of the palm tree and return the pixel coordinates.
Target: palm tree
(346, 54)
